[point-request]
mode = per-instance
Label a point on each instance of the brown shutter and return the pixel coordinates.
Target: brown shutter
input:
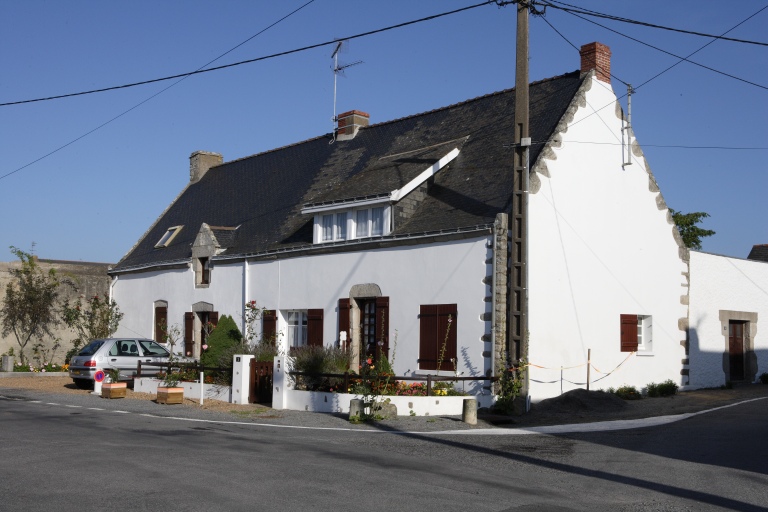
(315, 327)
(344, 321)
(382, 327)
(213, 317)
(161, 323)
(628, 333)
(427, 337)
(446, 335)
(189, 325)
(269, 325)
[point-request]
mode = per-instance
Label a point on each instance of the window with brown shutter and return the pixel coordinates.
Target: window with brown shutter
(382, 326)
(161, 323)
(629, 333)
(189, 329)
(269, 325)
(315, 327)
(437, 337)
(344, 322)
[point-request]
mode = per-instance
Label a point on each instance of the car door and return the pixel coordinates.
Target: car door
(124, 355)
(152, 353)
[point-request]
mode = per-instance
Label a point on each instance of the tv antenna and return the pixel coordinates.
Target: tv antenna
(338, 69)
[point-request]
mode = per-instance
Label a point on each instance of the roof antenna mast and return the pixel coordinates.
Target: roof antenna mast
(338, 69)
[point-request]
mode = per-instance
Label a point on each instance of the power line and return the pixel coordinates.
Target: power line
(249, 61)
(576, 10)
(668, 146)
(152, 96)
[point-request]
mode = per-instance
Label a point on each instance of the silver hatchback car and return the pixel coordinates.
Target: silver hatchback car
(121, 353)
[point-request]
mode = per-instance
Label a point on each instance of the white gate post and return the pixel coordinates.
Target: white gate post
(241, 382)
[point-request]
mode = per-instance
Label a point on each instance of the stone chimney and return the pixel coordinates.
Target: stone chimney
(200, 162)
(349, 123)
(596, 56)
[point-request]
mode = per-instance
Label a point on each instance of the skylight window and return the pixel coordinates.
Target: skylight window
(168, 236)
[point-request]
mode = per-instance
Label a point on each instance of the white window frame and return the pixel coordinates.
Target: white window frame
(644, 334)
(295, 327)
(343, 225)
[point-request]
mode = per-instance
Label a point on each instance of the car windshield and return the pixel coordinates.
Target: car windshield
(152, 348)
(91, 348)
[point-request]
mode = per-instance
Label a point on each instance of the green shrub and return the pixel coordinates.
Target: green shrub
(666, 388)
(313, 361)
(764, 378)
(222, 343)
(628, 393)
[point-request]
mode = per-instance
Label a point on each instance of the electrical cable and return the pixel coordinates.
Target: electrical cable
(574, 9)
(102, 125)
(249, 61)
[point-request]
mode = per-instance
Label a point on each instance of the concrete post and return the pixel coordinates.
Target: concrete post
(241, 378)
(469, 411)
(356, 408)
(7, 364)
(280, 383)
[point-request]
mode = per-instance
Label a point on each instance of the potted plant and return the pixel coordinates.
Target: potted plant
(169, 391)
(113, 388)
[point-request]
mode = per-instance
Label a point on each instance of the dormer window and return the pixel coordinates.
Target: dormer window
(352, 224)
(169, 235)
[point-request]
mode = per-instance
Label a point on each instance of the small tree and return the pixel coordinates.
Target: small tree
(222, 343)
(97, 318)
(687, 224)
(28, 310)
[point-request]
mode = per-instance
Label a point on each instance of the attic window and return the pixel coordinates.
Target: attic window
(352, 224)
(169, 235)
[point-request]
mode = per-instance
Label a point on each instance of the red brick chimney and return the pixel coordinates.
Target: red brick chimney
(349, 123)
(596, 56)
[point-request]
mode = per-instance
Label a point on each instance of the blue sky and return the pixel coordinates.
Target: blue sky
(94, 199)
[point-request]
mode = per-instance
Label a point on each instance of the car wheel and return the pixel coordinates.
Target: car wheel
(83, 383)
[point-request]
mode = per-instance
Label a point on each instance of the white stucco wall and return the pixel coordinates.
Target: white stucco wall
(436, 273)
(600, 247)
(721, 288)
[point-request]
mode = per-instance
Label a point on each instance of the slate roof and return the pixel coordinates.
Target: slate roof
(263, 194)
(759, 253)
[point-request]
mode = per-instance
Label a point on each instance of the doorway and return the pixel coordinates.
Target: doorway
(736, 333)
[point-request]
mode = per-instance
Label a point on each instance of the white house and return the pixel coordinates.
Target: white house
(397, 236)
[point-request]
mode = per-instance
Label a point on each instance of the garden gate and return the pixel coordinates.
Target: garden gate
(260, 391)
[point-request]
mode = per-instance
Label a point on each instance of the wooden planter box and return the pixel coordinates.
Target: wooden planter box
(114, 390)
(170, 395)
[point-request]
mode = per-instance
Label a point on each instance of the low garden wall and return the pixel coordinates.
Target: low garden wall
(285, 397)
(191, 389)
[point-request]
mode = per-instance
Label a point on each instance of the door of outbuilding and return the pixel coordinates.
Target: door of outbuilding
(736, 349)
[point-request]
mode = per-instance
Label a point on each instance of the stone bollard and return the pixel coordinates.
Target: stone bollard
(7, 365)
(356, 408)
(469, 411)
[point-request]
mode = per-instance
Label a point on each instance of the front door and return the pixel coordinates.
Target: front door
(368, 327)
(736, 349)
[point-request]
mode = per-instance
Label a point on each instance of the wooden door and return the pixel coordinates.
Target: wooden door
(736, 349)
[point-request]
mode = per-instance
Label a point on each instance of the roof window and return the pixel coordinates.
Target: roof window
(169, 235)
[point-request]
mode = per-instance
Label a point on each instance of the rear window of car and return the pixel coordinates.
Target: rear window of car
(91, 348)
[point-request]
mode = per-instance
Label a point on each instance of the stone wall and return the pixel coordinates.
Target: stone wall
(89, 278)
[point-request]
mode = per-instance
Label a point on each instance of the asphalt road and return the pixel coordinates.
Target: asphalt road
(62, 454)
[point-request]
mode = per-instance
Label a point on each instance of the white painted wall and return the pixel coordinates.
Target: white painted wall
(720, 283)
(600, 247)
(436, 273)
(136, 294)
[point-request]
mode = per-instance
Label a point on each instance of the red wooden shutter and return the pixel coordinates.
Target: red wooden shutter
(427, 337)
(382, 326)
(446, 336)
(628, 333)
(344, 321)
(161, 323)
(269, 325)
(315, 327)
(189, 326)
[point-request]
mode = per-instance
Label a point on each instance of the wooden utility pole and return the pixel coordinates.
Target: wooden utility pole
(518, 298)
